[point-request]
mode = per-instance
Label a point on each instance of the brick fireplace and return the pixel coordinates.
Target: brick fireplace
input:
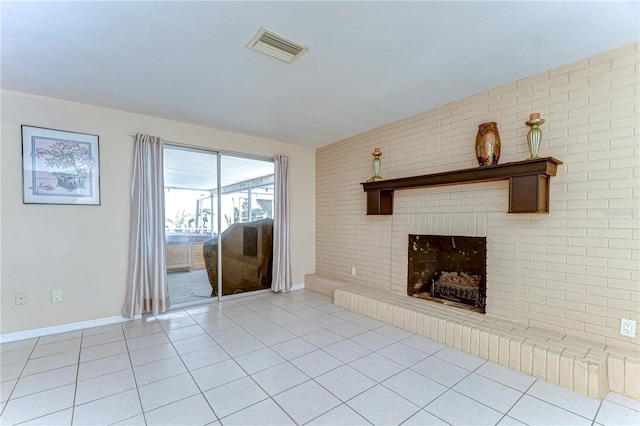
(571, 274)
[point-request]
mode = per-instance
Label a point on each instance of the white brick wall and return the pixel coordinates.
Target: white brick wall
(575, 270)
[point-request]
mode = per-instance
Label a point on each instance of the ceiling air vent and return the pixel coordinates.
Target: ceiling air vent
(275, 45)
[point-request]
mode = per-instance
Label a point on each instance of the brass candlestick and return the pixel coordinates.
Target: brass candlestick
(535, 134)
(376, 165)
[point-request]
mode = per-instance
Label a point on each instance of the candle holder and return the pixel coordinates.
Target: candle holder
(376, 165)
(535, 134)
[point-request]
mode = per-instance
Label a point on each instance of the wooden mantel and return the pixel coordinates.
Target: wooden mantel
(528, 184)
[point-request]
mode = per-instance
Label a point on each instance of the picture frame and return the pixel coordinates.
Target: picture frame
(60, 167)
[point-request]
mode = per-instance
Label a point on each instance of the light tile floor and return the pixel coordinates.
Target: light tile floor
(275, 359)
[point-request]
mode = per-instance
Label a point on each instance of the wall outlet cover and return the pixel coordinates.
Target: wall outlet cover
(627, 327)
(21, 297)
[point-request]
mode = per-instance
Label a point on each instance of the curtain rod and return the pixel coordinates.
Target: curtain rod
(233, 153)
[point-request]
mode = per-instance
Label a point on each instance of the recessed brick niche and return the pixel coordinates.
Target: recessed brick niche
(448, 269)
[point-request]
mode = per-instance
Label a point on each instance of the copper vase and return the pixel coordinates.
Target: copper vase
(488, 144)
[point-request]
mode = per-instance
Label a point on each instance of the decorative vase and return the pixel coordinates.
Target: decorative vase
(376, 165)
(535, 134)
(488, 144)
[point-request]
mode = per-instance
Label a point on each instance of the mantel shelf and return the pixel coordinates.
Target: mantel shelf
(528, 184)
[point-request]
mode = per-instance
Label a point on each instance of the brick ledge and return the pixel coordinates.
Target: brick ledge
(588, 368)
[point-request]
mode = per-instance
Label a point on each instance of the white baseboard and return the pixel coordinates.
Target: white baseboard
(62, 328)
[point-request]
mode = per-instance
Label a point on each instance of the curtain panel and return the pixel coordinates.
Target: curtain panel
(281, 252)
(147, 288)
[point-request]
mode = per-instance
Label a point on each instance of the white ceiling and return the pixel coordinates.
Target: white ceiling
(370, 63)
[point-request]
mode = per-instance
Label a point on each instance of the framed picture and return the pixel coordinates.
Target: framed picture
(60, 167)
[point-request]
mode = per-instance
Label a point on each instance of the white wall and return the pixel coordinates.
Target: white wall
(83, 250)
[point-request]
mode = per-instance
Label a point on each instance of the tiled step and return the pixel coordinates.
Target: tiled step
(589, 368)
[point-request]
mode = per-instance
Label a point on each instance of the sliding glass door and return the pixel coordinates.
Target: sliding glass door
(219, 223)
(247, 228)
(191, 220)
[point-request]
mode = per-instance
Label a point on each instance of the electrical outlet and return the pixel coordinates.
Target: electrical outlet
(627, 328)
(353, 271)
(56, 296)
(21, 297)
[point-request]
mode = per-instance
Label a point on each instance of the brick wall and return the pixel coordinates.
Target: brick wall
(575, 270)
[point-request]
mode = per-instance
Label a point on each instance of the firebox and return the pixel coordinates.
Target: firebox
(448, 269)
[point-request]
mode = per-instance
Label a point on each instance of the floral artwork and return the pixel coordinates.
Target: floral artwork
(60, 167)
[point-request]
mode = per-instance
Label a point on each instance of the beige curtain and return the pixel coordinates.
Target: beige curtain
(147, 289)
(281, 252)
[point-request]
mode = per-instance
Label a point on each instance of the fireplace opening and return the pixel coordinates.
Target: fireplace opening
(448, 269)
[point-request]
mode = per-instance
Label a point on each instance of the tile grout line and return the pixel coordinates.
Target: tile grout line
(248, 375)
(559, 407)
(6, 404)
(43, 372)
(179, 355)
(75, 388)
(311, 379)
(20, 375)
(595, 416)
(135, 380)
(294, 302)
(347, 364)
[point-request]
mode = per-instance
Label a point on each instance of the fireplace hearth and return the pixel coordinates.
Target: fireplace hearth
(448, 269)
